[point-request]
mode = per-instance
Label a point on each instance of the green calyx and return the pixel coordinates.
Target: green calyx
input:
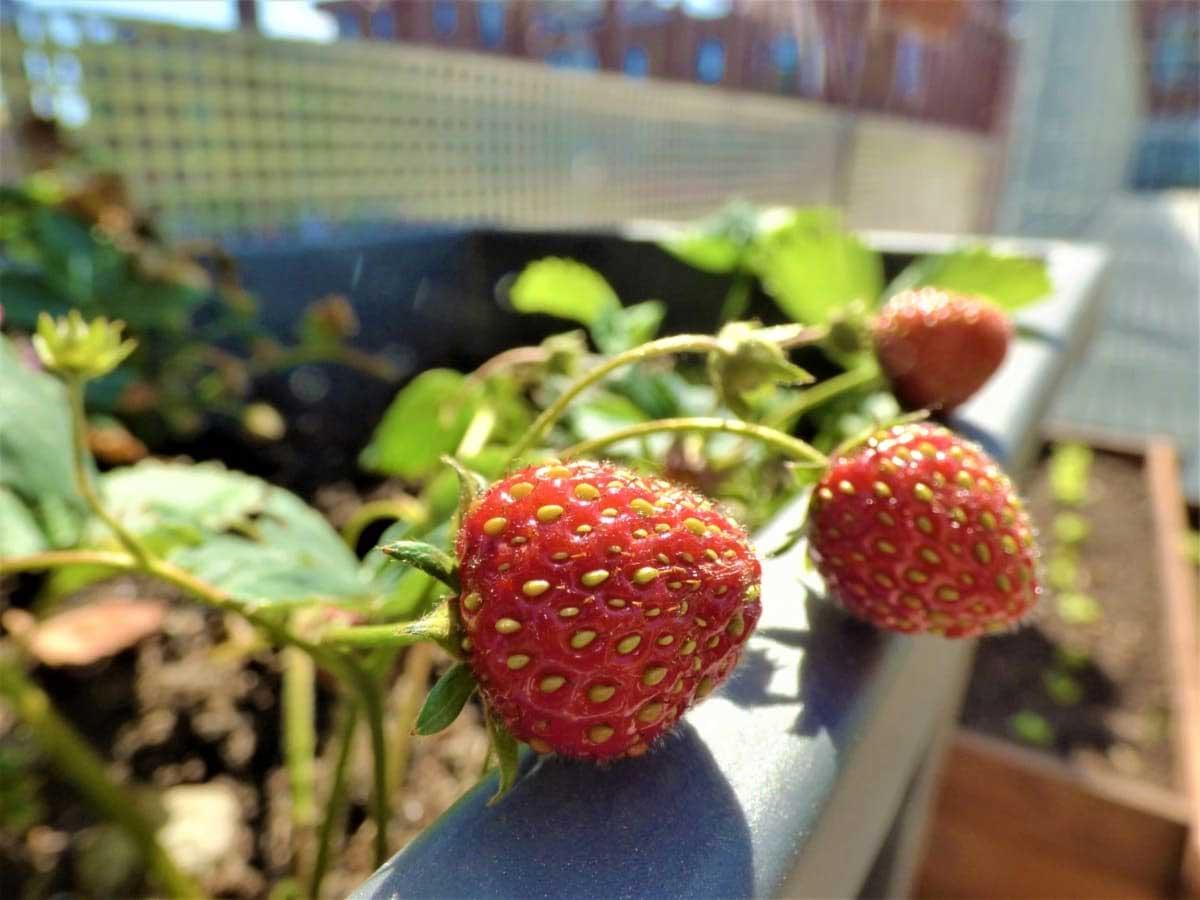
(446, 700)
(504, 750)
(470, 486)
(77, 349)
(431, 560)
(751, 360)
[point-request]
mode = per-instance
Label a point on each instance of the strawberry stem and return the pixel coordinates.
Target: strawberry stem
(438, 626)
(786, 444)
(335, 802)
(669, 346)
(813, 397)
(403, 508)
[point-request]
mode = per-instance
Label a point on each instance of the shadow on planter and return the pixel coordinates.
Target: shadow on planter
(839, 655)
(577, 825)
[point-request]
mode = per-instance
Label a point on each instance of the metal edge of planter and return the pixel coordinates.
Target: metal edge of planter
(787, 780)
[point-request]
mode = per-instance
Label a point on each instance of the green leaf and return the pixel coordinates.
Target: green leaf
(1009, 281)
(563, 288)
(290, 554)
(718, 243)
(85, 266)
(627, 327)
(171, 503)
(714, 253)
(602, 413)
(811, 267)
(26, 293)
(446, 700)
(664, 395)
(255, 572)
(256, 541)
(427, 419)
(505, 397)
(504, 746)
(19, 530)
(35, 447)
(748, 366)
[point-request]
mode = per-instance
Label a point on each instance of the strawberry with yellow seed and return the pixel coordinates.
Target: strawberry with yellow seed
(917, 530)
(598, 606)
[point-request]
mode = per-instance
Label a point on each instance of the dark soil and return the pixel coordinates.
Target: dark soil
(1092, 689)
(198, 704)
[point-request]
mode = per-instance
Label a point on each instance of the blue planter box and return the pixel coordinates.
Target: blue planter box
(805, 775)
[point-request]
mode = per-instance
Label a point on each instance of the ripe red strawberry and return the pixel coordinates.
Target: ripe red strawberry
(917, 530)
(939, 348)
(599, 606)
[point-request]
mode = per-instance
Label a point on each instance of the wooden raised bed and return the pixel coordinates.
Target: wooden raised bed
(1011, 822)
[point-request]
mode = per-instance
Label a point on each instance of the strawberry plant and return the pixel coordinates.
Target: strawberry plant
(587, 605)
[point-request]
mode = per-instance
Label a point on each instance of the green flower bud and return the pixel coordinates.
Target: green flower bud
(751, 360)
(74, 348)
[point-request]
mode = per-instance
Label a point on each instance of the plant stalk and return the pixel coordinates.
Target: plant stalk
(200, 590)
(404, 509)
(790, 446)
(669, 346)
(335, 803)
(409, 692)
(300, 747)
(372, 636)
(346, 670)
(79, 764)
(83, 476)
(380, 798)
(823, 391)
(737, 298)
